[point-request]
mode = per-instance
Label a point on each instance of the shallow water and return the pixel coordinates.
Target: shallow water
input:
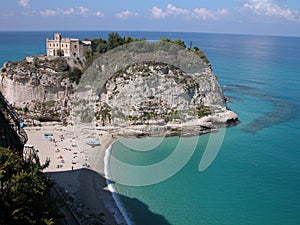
(254, 178)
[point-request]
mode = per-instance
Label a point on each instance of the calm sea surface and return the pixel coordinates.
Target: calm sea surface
(255, 178)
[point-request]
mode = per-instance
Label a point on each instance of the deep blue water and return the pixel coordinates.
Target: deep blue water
(255, 178)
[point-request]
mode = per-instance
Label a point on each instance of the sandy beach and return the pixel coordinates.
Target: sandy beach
(78, 169)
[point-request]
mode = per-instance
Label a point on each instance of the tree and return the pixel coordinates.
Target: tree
(88, 54)
(24, 191)
(177, 42)
(114, 40)
(128, 40)
(99, 45)
(75, 75)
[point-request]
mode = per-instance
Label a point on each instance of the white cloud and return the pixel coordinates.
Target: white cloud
(158, 13)
(198, 13)
(24, 3)
(271, 9)
(99, 14)
(172, 10)
(80, 10)
(205, 14)
(49, 12)
(126, 14)
(67, 12)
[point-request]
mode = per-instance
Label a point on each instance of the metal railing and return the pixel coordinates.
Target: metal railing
(13, 118)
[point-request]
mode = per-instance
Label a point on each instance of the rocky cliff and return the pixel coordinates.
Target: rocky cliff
(135, 89)
(153, 88)
(38, 87)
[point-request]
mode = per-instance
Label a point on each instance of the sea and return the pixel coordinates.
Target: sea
(252, 170)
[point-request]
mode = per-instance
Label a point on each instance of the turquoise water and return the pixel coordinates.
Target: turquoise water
(255, 178)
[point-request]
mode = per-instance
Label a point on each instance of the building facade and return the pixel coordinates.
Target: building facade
(68, 47)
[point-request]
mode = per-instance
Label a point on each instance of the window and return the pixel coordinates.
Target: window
(75, 46)
(50, 44)
(62, 45)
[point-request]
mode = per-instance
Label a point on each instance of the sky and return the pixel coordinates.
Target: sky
(262, 17)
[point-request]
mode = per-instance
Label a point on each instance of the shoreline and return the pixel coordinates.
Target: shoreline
(78, 170)
(110, 187)
(81, 169)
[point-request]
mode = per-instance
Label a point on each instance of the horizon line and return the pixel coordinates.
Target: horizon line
(157, 31)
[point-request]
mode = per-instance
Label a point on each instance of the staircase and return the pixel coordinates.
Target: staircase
(11, 134)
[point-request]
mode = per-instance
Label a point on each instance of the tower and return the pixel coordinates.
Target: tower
(57, 37)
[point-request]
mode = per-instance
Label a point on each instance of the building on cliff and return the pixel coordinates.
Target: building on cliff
(68, 47)
(12, 135)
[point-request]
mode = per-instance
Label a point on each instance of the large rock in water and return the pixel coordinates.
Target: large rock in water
(153, 89)
(136, 89)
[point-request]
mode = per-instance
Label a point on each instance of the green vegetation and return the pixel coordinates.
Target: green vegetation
(177, 42)
(86, 115)
(104, 114)
(114, 40)
(24, 191)
(25, 109)
(100, 46)
(58, 64)
(48, 104)
(75, 75)
(203, 111)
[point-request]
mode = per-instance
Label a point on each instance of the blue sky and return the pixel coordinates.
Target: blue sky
(265, 17)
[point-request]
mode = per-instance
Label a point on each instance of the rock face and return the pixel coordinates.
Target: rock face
(159, 94)
(38, 87)
(153, 89)
(130, 90)
(149, 90)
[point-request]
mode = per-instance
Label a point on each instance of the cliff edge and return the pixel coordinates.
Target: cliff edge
(152, 89)
(136, 89)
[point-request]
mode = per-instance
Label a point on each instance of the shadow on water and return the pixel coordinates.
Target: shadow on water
(87, 189)
(144, 214)
(283, 110)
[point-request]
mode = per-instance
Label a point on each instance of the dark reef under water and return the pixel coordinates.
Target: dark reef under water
(283, 110)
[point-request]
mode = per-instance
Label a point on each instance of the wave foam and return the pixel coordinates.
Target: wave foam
(123, 218)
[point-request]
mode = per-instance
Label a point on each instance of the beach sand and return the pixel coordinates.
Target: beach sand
(78, 169)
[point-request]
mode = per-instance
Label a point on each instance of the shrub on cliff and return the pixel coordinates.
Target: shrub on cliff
(58, 64)
(177, 42)
(75, 75)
